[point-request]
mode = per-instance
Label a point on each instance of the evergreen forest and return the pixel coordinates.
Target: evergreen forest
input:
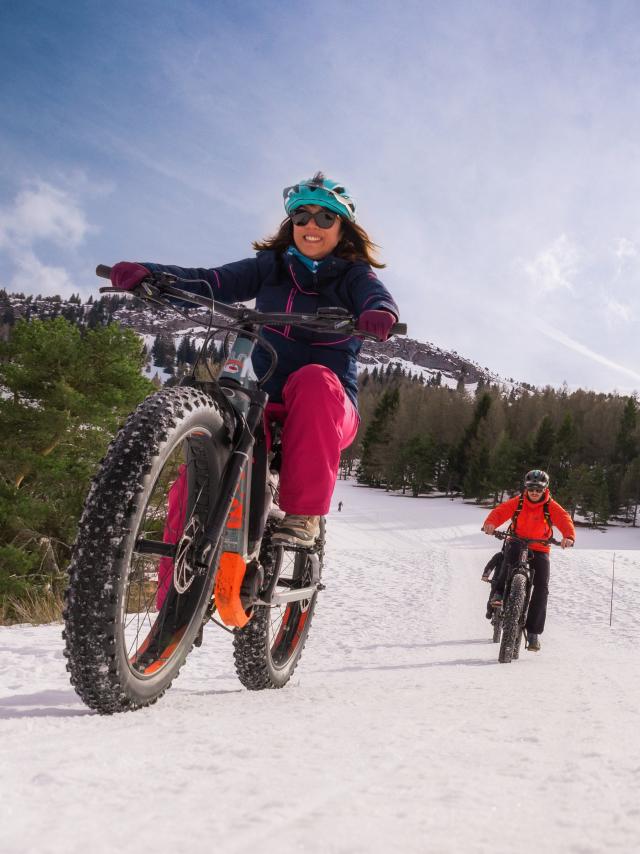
(68, 381)
(422, 438)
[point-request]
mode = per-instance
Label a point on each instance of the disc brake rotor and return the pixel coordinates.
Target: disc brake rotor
(183, 571)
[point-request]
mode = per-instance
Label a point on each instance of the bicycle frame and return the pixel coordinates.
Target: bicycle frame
(231, 521)
(523, 566)
(238, 550)
(226, 538)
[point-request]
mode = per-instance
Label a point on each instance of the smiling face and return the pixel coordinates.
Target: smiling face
(313, 241)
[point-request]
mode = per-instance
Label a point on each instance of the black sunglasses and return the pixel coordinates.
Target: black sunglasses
(322, 218)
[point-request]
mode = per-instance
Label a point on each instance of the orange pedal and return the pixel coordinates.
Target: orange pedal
(227, 590)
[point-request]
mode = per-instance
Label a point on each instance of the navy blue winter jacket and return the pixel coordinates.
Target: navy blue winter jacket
(283, 283)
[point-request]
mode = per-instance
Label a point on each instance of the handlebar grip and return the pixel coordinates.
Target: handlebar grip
(103, 271)
(398, 329)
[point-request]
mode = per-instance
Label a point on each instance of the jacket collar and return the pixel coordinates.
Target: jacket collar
(328, 268)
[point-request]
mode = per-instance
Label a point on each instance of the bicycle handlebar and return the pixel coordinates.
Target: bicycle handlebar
(503, 535)
(329, 319)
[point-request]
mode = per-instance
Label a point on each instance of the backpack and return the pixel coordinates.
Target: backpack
(545, 510)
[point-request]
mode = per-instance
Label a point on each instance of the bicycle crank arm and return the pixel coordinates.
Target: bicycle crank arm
(295, 595)
(155, 548)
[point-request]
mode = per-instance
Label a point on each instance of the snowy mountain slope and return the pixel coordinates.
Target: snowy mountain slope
(399, 731)
(414, 357)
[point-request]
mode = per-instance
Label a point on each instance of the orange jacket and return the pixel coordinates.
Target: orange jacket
(531, 523)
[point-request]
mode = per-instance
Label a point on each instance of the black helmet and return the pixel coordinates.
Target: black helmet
(536, 478)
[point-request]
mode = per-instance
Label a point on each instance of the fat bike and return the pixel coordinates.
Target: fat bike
(177, 526)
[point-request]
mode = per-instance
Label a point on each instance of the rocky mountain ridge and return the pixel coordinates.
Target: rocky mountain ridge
(436, 364)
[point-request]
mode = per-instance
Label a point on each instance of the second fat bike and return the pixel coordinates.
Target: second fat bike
(518, 586)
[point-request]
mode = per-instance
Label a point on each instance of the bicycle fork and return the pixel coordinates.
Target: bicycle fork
(235, 594)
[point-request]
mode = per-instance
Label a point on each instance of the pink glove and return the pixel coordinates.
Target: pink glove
(126, 275)
(376, 322)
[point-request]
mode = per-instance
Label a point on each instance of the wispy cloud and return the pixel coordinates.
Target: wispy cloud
(555, 266)
(561, 338)
(625, 248)
(43, 212)
(617, 311)
(32, 276)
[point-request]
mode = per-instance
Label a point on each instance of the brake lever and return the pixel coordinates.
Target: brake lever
(145, 288)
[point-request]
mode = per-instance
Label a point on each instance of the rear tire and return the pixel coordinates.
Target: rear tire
(511, 629)
(128, 628)
(267, 650)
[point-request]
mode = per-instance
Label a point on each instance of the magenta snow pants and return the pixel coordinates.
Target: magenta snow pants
(319, 421)
(173, 527)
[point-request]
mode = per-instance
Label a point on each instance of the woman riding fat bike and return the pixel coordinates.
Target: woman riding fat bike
(183, 522)
(319, 258)
(532, 515)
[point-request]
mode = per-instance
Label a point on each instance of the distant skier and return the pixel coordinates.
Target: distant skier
(532, 515)
(339, 506)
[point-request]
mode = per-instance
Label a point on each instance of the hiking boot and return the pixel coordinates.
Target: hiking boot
(297, 530)
(533, 642)
(496, 600)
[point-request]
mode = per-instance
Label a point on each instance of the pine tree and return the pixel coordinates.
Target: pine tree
(565, 449)
(544, 443)
(459, 460)
(183, 352)
(505, 472)
(417, 459)
(65, 394)
(376, 441)
(626, 447)
(630, 491)
(477, 482)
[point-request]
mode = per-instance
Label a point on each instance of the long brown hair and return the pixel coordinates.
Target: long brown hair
(355, 244)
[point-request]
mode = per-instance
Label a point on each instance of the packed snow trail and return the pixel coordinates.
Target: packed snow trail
(399, 731)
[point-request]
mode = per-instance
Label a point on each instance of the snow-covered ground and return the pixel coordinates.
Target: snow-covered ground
(399, 731)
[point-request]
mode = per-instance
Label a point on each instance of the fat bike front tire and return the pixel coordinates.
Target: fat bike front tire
(132, 611)
(267, 650)
(511, 629)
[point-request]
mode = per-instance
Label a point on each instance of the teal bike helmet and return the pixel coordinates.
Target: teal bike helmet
(323, 192)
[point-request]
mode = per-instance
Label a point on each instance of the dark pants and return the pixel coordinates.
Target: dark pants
(538, 605)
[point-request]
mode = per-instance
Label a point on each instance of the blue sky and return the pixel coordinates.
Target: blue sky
(492, 147)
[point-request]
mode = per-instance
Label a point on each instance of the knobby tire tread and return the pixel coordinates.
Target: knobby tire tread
(251, 651)
(91, 608)
(511, 620)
